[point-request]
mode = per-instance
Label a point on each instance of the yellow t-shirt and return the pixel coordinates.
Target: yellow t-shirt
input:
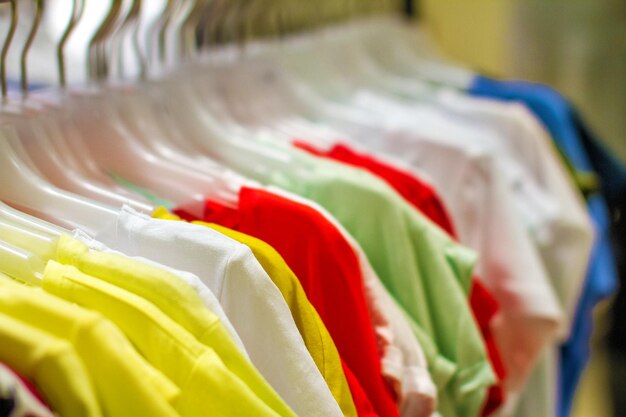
(207, 386)
(108, 356)
(318, 341)
(178, 300)
(52, 364)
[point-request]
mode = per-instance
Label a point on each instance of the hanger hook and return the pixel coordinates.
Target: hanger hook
(96, 63)
(187, 29)
(132, 17)
(137, 45)
(78, 7)
(170, 13)
(29, 41)
(6, 46)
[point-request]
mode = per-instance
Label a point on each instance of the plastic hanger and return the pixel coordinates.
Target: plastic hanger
(204, 96)
(20, 264)
(52, 157)
(18, 218)
(39, 243)
(5, 47)
(190, 113)
(296, 99)
(23, 187)
(413, 54)
(26, 238)
(166, 144)
(183, 108)
(111, 141)
(326, 72)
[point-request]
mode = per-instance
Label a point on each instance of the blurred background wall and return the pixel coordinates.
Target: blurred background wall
(577, 46)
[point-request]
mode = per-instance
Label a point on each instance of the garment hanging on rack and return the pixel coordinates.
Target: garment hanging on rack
(601, 281)
(348, 294)
(425, 199)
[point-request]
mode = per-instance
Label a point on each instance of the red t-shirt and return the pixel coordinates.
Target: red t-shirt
(424, 198)
(330, 274)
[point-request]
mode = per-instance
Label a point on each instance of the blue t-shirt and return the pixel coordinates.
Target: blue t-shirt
(560, 120)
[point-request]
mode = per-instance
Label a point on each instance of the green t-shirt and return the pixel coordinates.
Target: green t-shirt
(427, 272)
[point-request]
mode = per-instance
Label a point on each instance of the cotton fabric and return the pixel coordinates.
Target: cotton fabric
(252, 302)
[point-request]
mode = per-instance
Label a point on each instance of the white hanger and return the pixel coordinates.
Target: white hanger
(56, 165)
(16, 217)
(23, 187)
(166, 145)
(21, 264)
(191, 113)
(413, 53)
(39, 243)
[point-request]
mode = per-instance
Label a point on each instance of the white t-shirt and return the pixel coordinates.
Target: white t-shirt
(251, 301)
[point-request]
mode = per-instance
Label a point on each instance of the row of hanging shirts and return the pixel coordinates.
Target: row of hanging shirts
(339, 223)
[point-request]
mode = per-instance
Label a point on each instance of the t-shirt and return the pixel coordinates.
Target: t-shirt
(403, 361)
(612, 172)
(425, 199)
(557, 116)
(487, 217)
(405, 249)
(108, 356)
(18, 397)
(487, 220)
(260, 208)
(414, 190)
(52, 364)
(545, 199)
(250, 299)
(174, 298)
(314, 333)
(206, 295)
(560, 232)
(206, 385)
(328, 271)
